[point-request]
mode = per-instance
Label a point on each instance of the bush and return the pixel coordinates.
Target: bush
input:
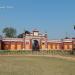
(41, 52)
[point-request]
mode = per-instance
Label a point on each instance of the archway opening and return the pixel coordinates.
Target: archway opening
(35, 45)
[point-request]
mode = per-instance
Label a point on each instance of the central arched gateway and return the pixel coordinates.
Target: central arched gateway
(35, 45)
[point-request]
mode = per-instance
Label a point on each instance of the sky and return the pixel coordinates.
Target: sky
(56, 17)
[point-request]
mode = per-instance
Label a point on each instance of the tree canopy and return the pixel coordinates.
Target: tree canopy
(9, 32)
(21, 35)
(74, 27)
(27, 32)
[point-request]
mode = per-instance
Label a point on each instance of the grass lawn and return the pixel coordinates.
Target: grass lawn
(26, 65)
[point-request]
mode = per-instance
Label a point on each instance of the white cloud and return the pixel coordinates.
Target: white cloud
(2, 7)
(9, 7)
(6, 7)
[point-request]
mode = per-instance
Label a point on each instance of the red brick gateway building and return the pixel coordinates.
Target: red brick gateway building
(36, 41)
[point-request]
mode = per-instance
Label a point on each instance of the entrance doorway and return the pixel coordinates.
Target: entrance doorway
(35, 45)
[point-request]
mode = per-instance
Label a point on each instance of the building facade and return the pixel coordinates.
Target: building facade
(36, 41)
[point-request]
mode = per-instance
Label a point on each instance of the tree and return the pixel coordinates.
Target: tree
(21, 35)
(27, 32)
(74, 27)
(9, 32)
(73, 50)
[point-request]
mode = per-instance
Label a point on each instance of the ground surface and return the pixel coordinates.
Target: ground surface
(33, 65)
